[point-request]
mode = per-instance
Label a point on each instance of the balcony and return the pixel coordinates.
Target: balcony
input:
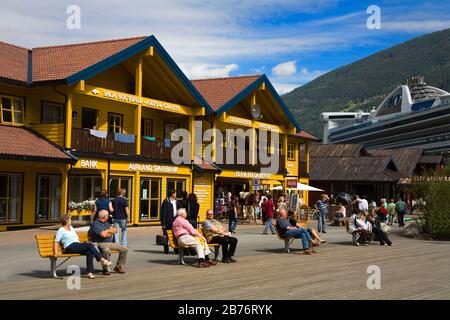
(157, 149)
(234, 159)
(84, 141)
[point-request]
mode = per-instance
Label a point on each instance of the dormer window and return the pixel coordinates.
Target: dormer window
(11, 110)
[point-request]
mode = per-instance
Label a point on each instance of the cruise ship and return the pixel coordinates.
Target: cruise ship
(414, 115)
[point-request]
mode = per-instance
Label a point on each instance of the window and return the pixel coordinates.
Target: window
(48, 198)
(291, 151)
(168, 129)
(84, 188)
(10, 197)
(51, 112)
(150, 199)
(11, 110)
(147, 127)
(126, 183)
(176, 185)
(115, 122)
(89, 118)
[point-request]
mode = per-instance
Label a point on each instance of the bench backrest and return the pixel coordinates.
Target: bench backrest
(45, 243)
(171, 239)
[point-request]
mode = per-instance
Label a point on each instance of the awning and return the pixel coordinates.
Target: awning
(305, 187)
(201, 165)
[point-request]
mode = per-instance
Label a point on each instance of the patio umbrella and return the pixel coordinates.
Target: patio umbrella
(305, 187)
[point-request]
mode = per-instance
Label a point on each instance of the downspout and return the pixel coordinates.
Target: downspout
(65, 112)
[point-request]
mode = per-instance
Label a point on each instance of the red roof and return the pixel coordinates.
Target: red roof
(306, 135)
(57, 62)
(217, 92)
(13, 62)
(22, 144)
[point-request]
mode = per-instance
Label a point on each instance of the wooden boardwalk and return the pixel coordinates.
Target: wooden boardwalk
(412, 269)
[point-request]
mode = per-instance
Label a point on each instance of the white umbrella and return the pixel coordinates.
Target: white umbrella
(277, 188)
(305, 187)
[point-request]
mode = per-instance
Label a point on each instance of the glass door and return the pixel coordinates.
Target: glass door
(126, 183)
(150, 199)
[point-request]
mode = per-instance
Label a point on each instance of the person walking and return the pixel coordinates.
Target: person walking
(168, 214)
(391, 210)
(269, 208)
(400, 209)
(192, 209)
(232, 214)
(121, 216)
(322, 208)
(103, 203)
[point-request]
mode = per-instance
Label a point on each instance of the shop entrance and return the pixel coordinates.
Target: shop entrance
(150, 199)
(224, 189)
(126, 183)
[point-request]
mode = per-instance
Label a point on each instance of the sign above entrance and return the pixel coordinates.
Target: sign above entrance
(256, 124)
(136, 100)
(252, 175)
(152, 168)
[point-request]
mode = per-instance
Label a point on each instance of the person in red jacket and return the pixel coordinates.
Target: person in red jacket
(269, 208)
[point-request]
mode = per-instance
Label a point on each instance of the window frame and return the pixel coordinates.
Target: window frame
(55, 104)
(22, 189)
(146, 121)
(49, 199)
(96, 117)
(149, 198)
(117, 116)
(12, 110)
(176, 180)
(165, 126)
(83, 176)
(291, 152)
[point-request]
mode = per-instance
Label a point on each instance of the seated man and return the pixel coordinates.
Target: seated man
(312, 232)
(215, 233)
(288, 230)
(101, 232)
(186, 235)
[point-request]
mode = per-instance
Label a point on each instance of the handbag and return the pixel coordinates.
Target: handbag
(161, 240)
(384, 227)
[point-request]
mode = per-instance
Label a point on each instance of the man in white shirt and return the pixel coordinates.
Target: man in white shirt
(363, 205)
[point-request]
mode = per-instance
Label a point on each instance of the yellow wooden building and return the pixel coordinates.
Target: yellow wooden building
(78, 119)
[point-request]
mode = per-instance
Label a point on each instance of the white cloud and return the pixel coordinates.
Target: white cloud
(283, 88)
(284, 85)
(285, 69)
(414, 26)
(202, 71)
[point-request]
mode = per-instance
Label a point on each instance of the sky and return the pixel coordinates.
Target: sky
(291, 41)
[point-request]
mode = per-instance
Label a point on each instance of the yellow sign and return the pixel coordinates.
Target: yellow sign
(154, 168)
(252, 175)
(241, 121)
(136, 100)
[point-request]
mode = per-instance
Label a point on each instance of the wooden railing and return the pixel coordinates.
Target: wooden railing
(83, 141)
(245, 154)
(156, 149)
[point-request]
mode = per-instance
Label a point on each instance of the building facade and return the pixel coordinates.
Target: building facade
(82, 118)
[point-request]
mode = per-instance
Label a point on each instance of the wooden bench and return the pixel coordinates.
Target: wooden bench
(45, 247)
(174, 244)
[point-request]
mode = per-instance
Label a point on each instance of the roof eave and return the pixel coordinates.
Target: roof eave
(253, 86)
(131, 51)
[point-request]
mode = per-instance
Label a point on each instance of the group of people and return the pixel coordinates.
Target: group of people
(181, 216)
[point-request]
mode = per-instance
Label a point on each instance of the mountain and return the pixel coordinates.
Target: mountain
(365, 83)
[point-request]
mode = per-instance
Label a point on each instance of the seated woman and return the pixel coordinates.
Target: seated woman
(71, 243)
(378, 223)
(357, 225)
(312, 232)
(340, 214)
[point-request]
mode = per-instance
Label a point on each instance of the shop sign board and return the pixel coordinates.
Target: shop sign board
(252, 175)
(152, 168)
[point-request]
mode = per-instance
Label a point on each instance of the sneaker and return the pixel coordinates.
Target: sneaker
(357, 244)
(324, 231)
(119, 270)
